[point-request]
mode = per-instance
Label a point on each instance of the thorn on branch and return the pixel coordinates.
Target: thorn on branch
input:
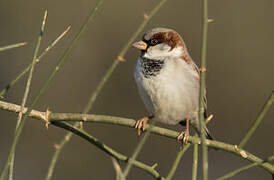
(84, 118)
(145, 16)
(210, 20)
(243, 154)
(121, 59)
(236, 147)
(67, 138)
(56, 146)
(203, 69)
(154, 165)
(47, 118)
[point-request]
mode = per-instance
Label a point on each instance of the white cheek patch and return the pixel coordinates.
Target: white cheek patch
(163, 47)
(177, 52)
(163, 51)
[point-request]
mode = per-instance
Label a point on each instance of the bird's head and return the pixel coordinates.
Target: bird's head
(160, 44)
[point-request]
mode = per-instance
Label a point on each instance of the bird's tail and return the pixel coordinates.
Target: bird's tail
(207, 134)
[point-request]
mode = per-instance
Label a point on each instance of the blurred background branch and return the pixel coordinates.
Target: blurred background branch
(12, 46)
(60, 146)
(62, 60)
(244, 168)
(19, 76)
(20, 121)
(258, 121)
(176, 162)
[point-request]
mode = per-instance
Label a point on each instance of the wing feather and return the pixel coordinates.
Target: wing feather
(197, 70)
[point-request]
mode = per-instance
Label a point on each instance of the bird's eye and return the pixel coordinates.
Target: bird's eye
(153, 42)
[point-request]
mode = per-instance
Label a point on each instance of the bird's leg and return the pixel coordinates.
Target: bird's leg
(184, 134)
(141, 124)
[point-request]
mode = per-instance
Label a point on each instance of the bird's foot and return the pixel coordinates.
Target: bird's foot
(183, 137)
(141, 125)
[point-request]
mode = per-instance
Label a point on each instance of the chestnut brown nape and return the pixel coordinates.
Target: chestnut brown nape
(175, 39)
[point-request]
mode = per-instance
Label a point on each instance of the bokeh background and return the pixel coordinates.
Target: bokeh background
(240, 78)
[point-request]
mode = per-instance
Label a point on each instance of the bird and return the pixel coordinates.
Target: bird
(168, 82)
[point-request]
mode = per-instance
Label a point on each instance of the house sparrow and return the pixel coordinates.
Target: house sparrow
(168, 81)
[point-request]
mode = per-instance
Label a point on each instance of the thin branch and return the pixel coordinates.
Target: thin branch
(118, 170)
(180, 155)
(19, 76)
(58, 149)
(196, 154)
(150, 170)
(12, 46)
(54, 117)
(61, 62)
(176, 162)
(28, 68)
(259, 119)
(136, 153)
(53, 43)
(100, 86)
(203, 86)
(237, 171)
(195, 161)
(244, 168)
(20, 122)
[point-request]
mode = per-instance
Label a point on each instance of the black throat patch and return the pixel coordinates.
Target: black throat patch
(151, 67)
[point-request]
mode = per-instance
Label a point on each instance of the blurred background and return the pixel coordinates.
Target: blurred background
(240, 78)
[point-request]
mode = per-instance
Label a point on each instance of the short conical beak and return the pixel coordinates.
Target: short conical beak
(140, 45)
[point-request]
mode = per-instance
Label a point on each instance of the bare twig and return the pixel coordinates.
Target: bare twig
(136, 153)
(196, 154)
(20, 122)
(42, 116)
(176, 162)
(61, 62)
(137, 150)
(244, 168)
(259, 119)
(54, 117)
(195, 161)
(12, 46)
(53, 43)
(19, 76)
(107, 149)
(118, 170)
(203, 86)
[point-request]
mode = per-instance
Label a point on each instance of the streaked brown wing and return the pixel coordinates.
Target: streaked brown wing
(197, 70)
